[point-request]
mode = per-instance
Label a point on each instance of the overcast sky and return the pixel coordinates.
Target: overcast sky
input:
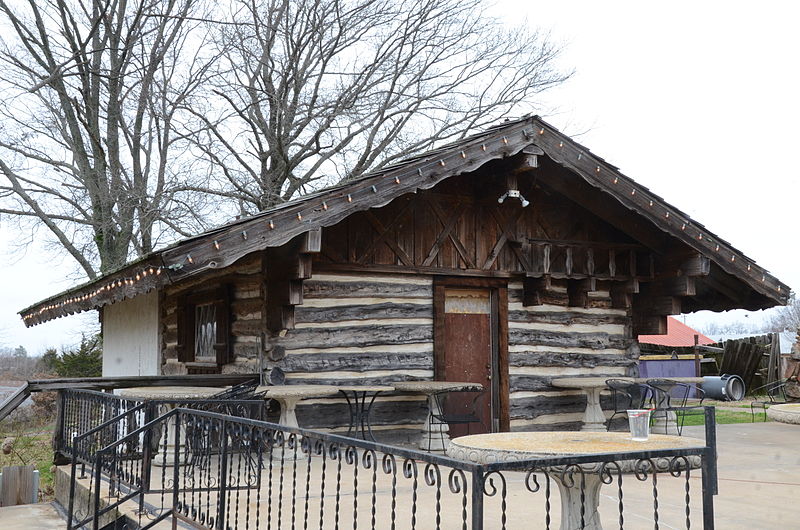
(698, 101)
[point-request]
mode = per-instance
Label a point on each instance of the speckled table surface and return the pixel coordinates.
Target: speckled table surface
(364, 388)
(786, 413)
(169, 392)
(514, 446)
(580, 498)
(300, 391)
(433, 386)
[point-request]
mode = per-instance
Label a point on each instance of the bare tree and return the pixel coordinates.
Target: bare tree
(786, 318)
(91, 91)
(737, 327)
(339, 87)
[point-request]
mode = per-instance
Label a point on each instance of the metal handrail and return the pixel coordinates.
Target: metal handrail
(265, 438)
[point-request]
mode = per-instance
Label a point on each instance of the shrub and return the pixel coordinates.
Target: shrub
(86, 360)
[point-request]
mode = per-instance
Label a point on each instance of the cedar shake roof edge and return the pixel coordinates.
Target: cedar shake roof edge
(277, 225)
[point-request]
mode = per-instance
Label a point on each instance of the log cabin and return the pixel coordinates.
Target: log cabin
(507, 258)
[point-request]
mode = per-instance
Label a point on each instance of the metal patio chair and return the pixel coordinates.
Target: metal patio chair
(627, 395)
(460, 407)
(671, 396)
(776, 395)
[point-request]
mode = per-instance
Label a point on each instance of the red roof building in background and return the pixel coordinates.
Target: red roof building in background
(678, 334)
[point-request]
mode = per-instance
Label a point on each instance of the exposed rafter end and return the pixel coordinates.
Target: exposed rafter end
(534, 289)
(650, 325)
(527, 160)
(286, 268)
(578, 291)
(622, 293)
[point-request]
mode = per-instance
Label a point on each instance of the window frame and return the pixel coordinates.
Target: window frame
(220, 298)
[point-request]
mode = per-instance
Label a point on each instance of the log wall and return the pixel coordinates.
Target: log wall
(361, 329)
(377, 328)
(553, 340)
(245, 282)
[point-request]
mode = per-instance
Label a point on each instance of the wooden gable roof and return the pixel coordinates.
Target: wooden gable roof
(219, 248)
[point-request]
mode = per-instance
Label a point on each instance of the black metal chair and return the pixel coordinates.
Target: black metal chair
(459, 407)
(672, 396)
(627, 395)
(776, 395)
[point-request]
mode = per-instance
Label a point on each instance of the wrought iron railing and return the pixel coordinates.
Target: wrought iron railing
(238, 473)
(90, 421)
(109, 416)
(82, 411)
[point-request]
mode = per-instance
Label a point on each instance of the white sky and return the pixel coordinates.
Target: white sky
(698, 101)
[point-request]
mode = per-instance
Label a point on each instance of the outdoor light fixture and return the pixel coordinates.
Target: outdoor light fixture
(513, 192)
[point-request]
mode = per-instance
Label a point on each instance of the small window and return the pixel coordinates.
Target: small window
(203, 330)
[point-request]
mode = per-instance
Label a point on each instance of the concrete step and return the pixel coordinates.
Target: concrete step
(42, 516)
(83, 496)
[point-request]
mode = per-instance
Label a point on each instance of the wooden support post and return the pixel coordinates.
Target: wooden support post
(311, 241)
(533, 290)
(578, 291)
(649, 324)
(697, 265)
(622, 293)
(568, 261)
(664, 305)
(612, 263)
(528, 159)
(285, 268)
(680, 286)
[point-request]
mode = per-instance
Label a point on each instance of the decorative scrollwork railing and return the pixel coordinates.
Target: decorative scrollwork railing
(233, 472)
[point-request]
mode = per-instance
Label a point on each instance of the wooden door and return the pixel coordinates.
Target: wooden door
(471, 342)
(468, 351)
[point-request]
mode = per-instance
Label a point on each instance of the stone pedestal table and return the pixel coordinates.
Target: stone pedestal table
(594, 420)
(786, 413)
(173, 395)
(434, 438)
(289, 395)
(360, 399)
(520, 446)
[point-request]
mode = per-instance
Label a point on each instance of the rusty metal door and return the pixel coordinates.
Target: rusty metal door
(469, 324)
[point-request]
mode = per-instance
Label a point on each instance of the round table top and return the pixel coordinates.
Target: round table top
(169, 392)
(515, 446)
(429, 387)
(298, 391)
(584, 382)
(600, 382)
(690, 380)
(786, 413)
(365, 388)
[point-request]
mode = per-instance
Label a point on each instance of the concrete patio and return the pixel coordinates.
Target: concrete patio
(759, 483)
(759, 475)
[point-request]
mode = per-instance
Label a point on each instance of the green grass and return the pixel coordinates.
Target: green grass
(32, 446)
(723, 417)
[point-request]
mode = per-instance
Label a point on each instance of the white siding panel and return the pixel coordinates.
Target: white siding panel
(130, 337)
